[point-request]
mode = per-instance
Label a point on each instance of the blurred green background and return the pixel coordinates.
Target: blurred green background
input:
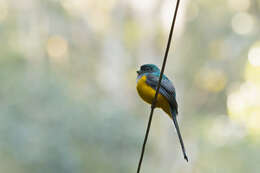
(68, 75)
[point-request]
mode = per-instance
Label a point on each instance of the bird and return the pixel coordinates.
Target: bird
(147, 81)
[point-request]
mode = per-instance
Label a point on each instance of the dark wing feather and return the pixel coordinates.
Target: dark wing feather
(166, 89)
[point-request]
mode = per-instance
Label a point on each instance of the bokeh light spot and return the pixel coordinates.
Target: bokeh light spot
(252, 73)
(236, 106)
(57, 48)
(244, 106)
(253, 122)
(243, 23)
(254, 54)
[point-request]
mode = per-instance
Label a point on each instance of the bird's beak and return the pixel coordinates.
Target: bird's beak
(138, 72)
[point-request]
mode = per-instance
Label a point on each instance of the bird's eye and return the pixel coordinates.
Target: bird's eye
(146, 68)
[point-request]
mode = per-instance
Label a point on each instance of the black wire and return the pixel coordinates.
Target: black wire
(158, 85)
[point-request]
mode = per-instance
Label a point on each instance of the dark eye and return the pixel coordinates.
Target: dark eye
(147, 69)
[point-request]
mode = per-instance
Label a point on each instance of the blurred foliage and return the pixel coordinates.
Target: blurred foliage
(68, 99)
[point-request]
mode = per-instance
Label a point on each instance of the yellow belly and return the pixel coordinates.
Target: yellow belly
(147, 93)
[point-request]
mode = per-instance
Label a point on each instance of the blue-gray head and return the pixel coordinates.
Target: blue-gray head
(148, 68)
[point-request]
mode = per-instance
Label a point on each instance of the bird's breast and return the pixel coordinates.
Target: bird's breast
(144, 90)
(147, 93)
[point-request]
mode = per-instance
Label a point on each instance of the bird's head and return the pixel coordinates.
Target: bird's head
(148, 68)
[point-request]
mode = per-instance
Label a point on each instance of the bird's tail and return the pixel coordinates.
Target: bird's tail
(174, 118)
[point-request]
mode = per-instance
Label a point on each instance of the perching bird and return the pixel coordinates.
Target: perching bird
(147, 80)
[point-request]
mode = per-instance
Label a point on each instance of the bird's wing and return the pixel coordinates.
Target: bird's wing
(166, 89)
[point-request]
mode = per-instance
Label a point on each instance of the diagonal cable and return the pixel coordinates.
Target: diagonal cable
(158, 86)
